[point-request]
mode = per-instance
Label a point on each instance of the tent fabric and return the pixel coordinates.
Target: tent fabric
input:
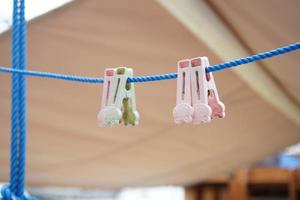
(261, 25)
(65, 145)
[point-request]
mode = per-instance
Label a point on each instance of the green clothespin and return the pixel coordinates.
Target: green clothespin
(118, 98)
(129, 115)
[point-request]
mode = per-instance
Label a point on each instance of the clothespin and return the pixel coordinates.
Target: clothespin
(203, 111)
(118, 98)
(183, 112)
(197, 95)
(217, 106)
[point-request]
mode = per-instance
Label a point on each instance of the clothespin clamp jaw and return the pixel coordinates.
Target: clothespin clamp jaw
(183, 112)
(118, 99)
(217, 106)
(202, 110)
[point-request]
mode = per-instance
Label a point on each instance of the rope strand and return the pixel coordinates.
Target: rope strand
(18, 105)
(22, 104)
(14, 161)
(139, 79)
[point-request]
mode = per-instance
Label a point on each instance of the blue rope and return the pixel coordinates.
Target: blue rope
(52, 75)
(6, 194)
(137, 79)
(256, 57)
(22, 104)
(14, 164)
(18, 110)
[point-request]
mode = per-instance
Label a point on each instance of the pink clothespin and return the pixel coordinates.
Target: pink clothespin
(197, 96)
(202, 110)
(210, 97)
(217, 106)
(183, 112)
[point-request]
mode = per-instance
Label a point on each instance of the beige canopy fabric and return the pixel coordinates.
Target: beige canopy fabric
(67, 148)
(271, 25)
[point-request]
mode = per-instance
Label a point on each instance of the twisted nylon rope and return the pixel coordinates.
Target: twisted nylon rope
(138, 79)
(5, 194)
(14, 150)
(18, 109)
(22, 104)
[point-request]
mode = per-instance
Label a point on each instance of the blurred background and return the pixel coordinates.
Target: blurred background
(254, 153)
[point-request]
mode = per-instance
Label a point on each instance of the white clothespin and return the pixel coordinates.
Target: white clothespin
(118, 99)
(202, 113)
(183, 112)
(197, 96)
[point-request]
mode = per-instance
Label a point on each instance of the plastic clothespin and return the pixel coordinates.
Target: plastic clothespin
(197, 96)
(206, 102)
(217, 106)
(183, 112)
(202, 110)
(118, 99)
